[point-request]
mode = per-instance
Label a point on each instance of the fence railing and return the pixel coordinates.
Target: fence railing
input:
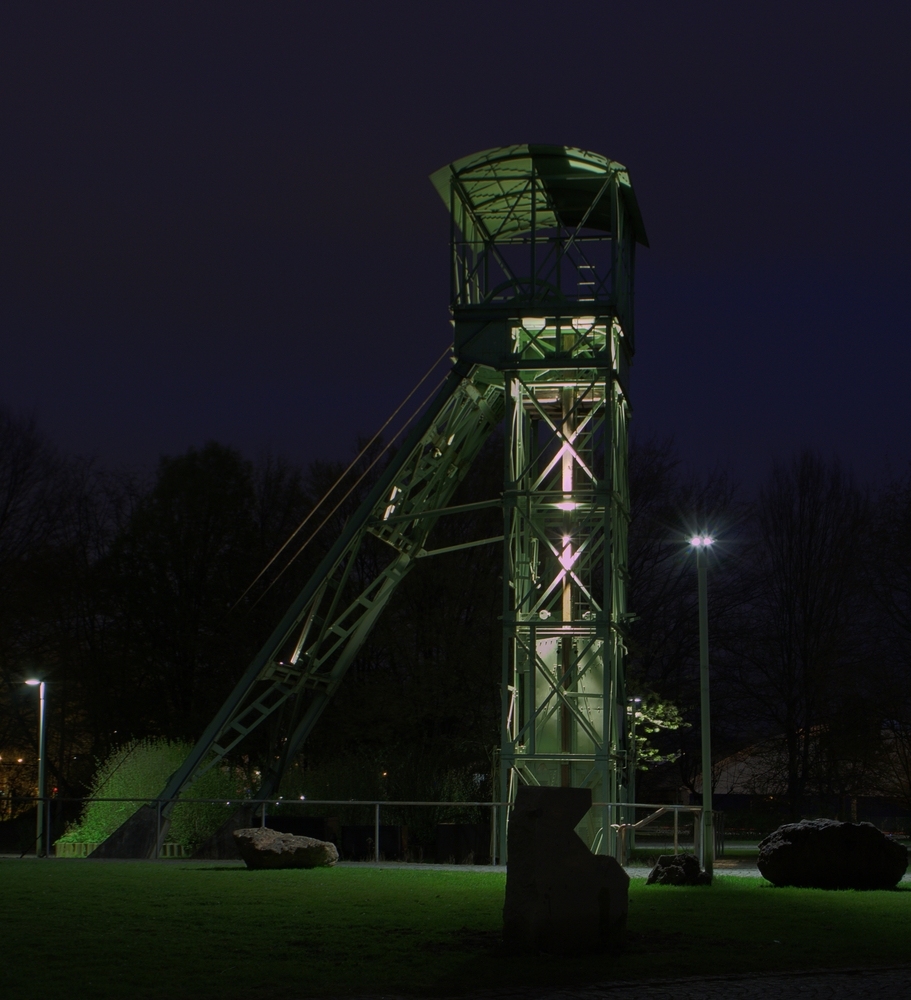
(627, 831)
(621, 818)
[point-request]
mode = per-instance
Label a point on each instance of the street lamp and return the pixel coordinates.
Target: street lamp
(41, 846)
(700, 543)
(633, 710)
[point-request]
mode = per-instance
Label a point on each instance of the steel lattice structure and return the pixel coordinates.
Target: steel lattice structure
(543, 251)
(543, 242)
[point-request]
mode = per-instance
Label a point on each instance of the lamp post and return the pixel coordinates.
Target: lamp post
(634, 704)
(41, 846)
(700, 543)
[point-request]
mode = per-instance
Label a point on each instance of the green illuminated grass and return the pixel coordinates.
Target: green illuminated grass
(181, 929)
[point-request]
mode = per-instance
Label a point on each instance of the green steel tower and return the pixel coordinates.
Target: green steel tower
(543, 241)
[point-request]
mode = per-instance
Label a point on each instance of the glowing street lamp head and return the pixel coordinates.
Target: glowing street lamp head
(33, 682)
(701, 541)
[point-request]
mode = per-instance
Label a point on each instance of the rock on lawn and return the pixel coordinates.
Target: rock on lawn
(827, 854)
(261, 847)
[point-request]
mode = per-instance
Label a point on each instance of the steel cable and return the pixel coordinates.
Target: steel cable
(339, 480)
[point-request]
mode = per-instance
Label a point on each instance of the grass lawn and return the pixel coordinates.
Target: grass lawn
(191, 929)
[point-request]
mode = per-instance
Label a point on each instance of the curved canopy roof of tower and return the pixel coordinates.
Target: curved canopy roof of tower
(569, 192)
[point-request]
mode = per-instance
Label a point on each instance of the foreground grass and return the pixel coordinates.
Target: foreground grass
(149, 931)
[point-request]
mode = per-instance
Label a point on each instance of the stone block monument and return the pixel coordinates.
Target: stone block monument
(560, 898)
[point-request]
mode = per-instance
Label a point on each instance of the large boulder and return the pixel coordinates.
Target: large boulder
(560, 898)
(261, 847)
(678, 869)
(827, 854)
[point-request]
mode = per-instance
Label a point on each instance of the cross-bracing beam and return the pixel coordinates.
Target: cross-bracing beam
(301, 665)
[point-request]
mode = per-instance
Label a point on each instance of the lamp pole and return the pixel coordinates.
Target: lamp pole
(700, 543)
(634, 704)
(41, 846)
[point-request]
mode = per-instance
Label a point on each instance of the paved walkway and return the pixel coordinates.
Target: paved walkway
(846, 984)
(855, 984)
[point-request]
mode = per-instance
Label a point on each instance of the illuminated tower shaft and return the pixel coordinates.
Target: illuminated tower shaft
(542, 251)
(566, 511)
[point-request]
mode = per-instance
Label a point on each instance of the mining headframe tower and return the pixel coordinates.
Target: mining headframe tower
(543, 243)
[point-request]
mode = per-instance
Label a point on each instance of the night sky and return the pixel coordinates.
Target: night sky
(217, 221)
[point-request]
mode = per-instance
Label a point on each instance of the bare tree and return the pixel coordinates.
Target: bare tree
(800, 650)
(888, 574)
(889, 562)
(668, 506)
(37, 492)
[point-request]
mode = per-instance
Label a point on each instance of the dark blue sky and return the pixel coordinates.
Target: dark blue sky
(217, 223)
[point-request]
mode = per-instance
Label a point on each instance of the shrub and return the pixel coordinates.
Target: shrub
(137, 772)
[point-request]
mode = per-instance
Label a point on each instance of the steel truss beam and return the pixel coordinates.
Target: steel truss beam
(305, 659)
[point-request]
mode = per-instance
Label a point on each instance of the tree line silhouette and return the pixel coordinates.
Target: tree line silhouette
(133, 598)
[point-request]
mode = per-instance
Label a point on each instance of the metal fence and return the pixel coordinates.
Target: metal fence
(374, 830)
